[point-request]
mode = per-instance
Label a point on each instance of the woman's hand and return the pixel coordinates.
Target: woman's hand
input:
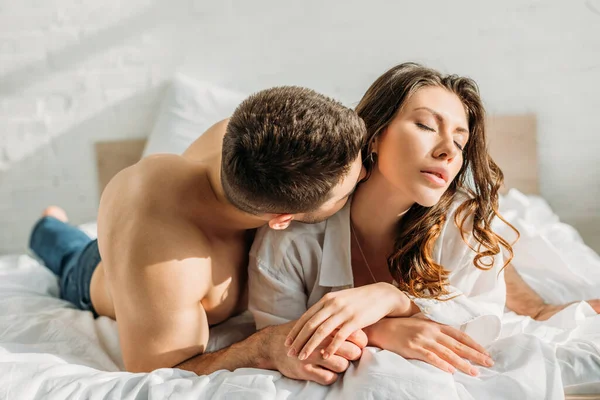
(439, 345)
(347, 310)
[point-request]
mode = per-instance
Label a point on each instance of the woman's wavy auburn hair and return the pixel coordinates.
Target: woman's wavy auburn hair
(411, 264)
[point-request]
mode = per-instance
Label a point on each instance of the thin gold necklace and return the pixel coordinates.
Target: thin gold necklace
(361, 251)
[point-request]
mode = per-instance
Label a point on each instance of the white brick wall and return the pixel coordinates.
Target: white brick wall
(73, 72)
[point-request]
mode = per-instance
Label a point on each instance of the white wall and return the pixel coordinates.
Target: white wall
(73, 72)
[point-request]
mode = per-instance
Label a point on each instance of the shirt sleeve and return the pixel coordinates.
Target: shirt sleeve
(476, 298)
(478, 316)
(276, 293)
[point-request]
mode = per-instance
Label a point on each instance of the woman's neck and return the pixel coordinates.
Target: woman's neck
(376, 209)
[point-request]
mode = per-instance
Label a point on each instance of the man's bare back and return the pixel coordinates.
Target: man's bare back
(174, 233)
(173, 259)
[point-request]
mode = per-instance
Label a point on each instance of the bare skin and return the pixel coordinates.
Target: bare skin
(174, 258)
(174, 262)
(264, 350)
(405, 148)
(523, 300)
(55, 212)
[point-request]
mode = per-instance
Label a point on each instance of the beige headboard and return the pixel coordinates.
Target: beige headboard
(113, 156)
(512, 145)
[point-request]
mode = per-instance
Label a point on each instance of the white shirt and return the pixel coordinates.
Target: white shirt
(291, 270)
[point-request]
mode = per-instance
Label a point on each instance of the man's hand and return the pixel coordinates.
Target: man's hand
(439, 345)
(315, 367)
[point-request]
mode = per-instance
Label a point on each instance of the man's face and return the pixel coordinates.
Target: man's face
(339, 195)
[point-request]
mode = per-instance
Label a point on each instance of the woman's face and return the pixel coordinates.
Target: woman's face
(420, 151)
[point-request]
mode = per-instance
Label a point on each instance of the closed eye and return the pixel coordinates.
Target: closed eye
(424, 127)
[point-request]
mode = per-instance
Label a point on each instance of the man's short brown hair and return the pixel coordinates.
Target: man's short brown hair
(285, 148)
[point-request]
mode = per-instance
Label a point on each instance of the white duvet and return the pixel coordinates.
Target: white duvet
(48, 350)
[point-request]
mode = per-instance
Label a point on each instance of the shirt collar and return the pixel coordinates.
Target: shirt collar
(336, 265)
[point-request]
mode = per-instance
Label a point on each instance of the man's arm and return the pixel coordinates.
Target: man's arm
(160, 318)
(252, 352)
(158, 294)
(162, 324)
(265, 349)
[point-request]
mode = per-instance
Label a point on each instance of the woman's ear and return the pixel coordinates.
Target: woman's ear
(375, 144)
(281, 221)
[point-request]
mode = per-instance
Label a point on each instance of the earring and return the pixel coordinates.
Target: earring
(372, 158)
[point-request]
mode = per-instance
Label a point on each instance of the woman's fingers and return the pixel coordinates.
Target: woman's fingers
(340, 337)
(453, 359)
(465, 351)
(464, 339)
(431, 358)
(309, 328)
(291, 336)
(317, 335)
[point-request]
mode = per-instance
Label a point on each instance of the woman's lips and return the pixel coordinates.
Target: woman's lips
(434, 177)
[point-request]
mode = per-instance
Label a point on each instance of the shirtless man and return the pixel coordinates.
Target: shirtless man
(174, 233)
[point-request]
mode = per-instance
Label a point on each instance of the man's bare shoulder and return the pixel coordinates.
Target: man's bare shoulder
(155, 175)
(161, 165)
(148, 239)
(150, 203)
(221, 125)
(209, 144)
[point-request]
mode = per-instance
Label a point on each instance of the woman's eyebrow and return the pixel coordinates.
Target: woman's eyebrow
(440, 119)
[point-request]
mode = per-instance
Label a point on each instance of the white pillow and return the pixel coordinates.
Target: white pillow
(190, 107)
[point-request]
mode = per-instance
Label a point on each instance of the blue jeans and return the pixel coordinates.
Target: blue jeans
(71, 255)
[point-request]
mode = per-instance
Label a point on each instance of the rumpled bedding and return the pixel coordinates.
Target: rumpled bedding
(49, 350)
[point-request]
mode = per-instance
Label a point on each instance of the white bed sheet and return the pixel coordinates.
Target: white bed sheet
(48, 350)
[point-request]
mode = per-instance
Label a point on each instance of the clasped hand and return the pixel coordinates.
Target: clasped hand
(378, 309)
(345, 311)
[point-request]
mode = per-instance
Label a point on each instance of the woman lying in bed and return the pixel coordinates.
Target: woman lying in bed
(417, 239)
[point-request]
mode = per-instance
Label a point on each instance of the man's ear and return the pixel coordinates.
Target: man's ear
(281, 221)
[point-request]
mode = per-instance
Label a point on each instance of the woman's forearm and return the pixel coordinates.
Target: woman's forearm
(404, 306)
(376, 334)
